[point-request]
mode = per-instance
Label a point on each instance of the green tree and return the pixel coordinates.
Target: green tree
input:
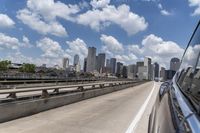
(28, 68)
(4, 65)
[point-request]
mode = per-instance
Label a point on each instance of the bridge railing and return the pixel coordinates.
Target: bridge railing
(12, 93)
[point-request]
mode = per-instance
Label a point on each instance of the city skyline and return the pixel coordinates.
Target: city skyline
(35, 35)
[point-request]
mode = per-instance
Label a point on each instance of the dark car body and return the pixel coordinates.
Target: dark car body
(177, 106)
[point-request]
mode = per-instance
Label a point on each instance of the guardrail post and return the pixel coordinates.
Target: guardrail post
(110, 84)
(56, 90)
(45, 94)
(80, 88)
(12, 95)
(101, 85)
(93, 86)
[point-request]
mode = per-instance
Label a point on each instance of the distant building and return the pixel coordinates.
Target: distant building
(142, 72)
(156, 70)
(169, 74)
(162, 74)
(175, 64)
(85, 65)
(147, 63)
(101, 62)
(107, 65)
(44, 65)
(65, 63)
(76, 59)
(78, 67)
(119, 69)
(124, 72)
(131, 72)
(91, 59)
(113, 65)
(139, 64)
(152, 72)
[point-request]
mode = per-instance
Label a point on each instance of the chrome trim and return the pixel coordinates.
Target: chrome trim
(189, 115)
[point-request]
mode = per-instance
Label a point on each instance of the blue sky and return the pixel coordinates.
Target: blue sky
(45, 31)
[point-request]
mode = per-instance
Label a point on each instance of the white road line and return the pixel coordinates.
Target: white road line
(135, 121)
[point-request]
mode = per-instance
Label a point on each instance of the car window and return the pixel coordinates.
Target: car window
(189, 72)
(195, 87)
(189, 62)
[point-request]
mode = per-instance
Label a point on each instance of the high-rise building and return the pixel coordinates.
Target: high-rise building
(162, 74)
(156, 70)
(113, 65)
(139, 64)
(65, 63)
(91, 59)
(147, 63)
(76, 59)
(152, 72)
(78, 67)
(175, 64)
(124, 72)
(119, 69)
(107, 63)
(131, 72)
(101, 62)
(85, 65)
(142, 72)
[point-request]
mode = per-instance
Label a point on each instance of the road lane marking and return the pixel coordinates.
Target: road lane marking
(135, 121)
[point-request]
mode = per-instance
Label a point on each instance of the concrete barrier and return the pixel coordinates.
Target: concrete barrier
(18, 109)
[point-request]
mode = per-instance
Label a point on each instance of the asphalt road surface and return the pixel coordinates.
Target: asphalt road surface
(124, 111)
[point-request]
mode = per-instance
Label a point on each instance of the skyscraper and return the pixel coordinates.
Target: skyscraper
(156, 70)
(119, 69)
(139, 64)
(162, 74)
(76, 59)
(101, 61)
(65, 63)
(91, 59)
(175, 64)
(113, 65)
(131, 72)
(124, 72)
(147, 63)
(85, 65)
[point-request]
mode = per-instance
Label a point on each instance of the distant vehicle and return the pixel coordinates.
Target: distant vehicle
(177, 106)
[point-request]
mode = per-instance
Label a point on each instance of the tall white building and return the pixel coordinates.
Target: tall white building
(91, 59)
(76, 59)
(65, 63)
(78, 67)
(147, 63)
(131, 72)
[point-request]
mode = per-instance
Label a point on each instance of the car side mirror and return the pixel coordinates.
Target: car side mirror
(163, 89)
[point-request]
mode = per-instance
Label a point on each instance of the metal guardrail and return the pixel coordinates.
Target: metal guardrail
(56, 89)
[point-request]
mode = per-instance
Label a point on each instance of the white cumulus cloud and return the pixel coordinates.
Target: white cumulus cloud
(99, 3)
(34, 21)
(51, 48)
(97, 19)
(196, 4)
(9, 42)
(111, 44)
(42, 16)
(78, 46)
(6, 21)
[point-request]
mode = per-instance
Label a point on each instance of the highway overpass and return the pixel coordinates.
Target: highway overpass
(123, 111)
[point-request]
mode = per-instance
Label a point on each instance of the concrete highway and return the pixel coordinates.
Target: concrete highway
(123, 111)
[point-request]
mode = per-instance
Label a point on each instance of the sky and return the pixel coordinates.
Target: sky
(45, 31)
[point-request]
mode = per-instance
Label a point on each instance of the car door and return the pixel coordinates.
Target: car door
(175, 110)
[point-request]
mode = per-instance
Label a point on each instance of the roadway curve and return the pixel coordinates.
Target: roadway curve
(111, 113)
